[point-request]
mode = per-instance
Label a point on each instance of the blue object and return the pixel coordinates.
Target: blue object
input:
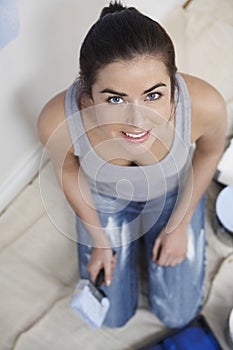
(194, 337)
(9, 21)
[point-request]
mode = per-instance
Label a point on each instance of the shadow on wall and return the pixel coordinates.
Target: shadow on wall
(55, 31)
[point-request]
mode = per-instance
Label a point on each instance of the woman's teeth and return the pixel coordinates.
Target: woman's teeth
(135, 136)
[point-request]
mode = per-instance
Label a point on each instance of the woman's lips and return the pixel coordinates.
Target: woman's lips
(136, 136)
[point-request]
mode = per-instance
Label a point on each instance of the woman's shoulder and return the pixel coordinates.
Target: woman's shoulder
(207, 104)
(52, 125)
(202, 94)
(51, 115)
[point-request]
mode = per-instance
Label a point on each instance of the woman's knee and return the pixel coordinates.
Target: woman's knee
(176, 316)
(118, 320)
(123, 303)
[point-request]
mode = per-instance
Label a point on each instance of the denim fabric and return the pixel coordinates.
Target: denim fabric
(175, 293)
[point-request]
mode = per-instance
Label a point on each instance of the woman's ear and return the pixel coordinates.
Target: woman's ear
(85, 101)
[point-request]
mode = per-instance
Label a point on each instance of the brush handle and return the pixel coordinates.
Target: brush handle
(100, 278)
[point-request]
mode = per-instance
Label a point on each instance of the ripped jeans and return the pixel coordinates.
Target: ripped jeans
(175, 293)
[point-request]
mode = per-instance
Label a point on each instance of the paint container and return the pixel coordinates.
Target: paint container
(223, 220)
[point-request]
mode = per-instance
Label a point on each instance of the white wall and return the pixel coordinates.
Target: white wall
(157, 9)
(38, 63)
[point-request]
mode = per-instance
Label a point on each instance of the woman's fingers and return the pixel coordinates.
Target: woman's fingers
(93, 271)
(107, 262)
(108, 275)
(168, 260)
(162, 258)
(109, 270)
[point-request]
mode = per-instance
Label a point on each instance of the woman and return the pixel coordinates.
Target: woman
(134, 145)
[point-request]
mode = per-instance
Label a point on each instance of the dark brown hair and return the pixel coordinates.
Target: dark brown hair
(122, 33)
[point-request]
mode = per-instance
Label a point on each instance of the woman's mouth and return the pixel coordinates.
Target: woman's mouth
(136, 136)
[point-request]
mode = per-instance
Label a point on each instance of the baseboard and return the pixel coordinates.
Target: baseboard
(20, 177)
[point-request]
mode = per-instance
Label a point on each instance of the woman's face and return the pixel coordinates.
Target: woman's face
(132, 100)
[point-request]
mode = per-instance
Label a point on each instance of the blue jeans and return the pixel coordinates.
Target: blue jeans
(175, 293)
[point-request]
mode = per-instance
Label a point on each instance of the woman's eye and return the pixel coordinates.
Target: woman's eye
(153, 96)
(115, 100)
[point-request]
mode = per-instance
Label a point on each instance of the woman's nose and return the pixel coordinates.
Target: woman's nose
(134, 115)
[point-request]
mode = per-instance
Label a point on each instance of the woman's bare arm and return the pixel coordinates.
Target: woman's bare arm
(208, 132)
(54, 134)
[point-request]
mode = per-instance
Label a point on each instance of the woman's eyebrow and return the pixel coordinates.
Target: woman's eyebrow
(153, 87)
(110, 91)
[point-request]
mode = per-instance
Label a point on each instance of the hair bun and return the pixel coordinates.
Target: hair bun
(113, 7)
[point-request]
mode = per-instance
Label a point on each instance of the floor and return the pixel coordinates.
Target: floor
(38, 272)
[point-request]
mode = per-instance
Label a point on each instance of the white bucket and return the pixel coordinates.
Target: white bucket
(230, 329)
(223, 223)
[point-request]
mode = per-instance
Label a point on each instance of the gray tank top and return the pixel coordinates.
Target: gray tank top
(139, 183)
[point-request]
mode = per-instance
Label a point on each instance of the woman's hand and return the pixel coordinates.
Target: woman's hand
(102, 258)
(170, 248)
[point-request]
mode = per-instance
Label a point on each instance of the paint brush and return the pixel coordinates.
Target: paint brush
(90, 302)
